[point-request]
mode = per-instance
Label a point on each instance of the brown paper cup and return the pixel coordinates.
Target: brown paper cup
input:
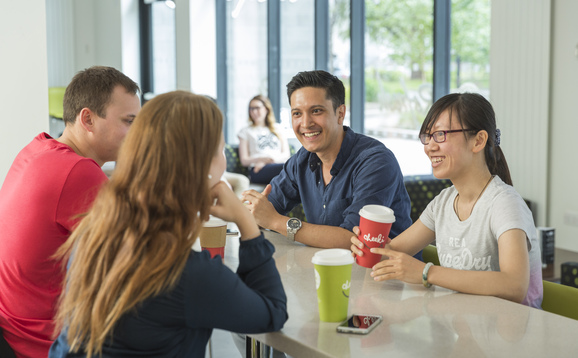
(213, 236)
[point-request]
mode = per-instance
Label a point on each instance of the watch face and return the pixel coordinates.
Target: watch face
(294, 223)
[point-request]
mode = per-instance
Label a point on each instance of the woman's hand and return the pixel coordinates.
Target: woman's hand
(397, 266)
(263, 161)
(226, 204)
(257, 168)
(228, 207)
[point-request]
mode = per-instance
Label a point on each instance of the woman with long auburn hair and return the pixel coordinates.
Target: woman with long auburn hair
(262, 147)
(134, 287)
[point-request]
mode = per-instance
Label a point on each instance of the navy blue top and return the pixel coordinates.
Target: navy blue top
(208, 295)
(365, 172)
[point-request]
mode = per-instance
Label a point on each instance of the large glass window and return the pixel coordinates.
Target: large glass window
(164, 46)
(297, 50)
(158, 44)
(340, 47)
(399, 69)
(470, 53)
(246, 60)
(398, 51)
(399, 77)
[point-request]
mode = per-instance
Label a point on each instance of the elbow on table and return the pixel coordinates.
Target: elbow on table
(279, 316)
(279, 321)
(515, 293)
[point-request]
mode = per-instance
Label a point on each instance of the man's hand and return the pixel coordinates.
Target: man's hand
(260, 206)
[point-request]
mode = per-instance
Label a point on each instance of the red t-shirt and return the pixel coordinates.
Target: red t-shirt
(47, 186)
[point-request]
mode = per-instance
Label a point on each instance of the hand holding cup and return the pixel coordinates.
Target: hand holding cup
(374, 225)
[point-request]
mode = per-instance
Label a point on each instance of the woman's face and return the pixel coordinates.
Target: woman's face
(218, 164)
(451, 158)
(258, 112)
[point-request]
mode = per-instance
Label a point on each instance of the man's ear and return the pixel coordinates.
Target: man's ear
(86, 119)
(480, 141)
(340, 114)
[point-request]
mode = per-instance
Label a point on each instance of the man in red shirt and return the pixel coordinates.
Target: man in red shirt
(49, 184)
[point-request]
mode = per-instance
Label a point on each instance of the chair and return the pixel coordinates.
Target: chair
(55, 99)
(430, 254)
(560, 299)
(5, 349)
(422, 189)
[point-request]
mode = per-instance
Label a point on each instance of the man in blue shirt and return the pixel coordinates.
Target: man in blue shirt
(334, 175)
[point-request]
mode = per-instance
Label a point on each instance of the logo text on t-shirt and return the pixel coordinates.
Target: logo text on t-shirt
(463, 259)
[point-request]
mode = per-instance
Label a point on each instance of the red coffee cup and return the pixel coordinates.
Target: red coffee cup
(374, 224)
(213, 237)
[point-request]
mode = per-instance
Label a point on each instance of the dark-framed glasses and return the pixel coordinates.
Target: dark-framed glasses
(439, 136)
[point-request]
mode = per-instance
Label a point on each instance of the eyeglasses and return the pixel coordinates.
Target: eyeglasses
(439, 136)
(251, 109)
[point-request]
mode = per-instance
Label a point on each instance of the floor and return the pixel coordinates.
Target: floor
(223, 346)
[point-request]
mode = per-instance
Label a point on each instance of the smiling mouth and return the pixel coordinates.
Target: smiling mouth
(437, 160)
(311, 134)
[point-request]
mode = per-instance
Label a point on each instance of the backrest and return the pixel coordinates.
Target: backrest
(430, 254)
(422, 189)
(560, 299)
(233, 161)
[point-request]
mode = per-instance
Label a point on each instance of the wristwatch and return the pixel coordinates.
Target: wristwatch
(293, 225)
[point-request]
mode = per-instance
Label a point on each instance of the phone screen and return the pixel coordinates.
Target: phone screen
(360, 324)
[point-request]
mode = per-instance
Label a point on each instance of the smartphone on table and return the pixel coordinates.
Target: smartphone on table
(359, 324)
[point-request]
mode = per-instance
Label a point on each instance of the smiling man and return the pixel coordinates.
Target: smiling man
(334, 175)
(50, 183)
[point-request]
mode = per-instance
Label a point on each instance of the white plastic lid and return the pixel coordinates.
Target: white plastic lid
(332, 257)
(377, 213)
(214, 222)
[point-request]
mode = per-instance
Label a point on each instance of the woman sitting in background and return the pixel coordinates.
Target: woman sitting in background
(484, 232)
(134, 287)
(262, 147)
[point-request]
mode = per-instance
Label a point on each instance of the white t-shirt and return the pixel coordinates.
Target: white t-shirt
(262, 142)
(472, 244)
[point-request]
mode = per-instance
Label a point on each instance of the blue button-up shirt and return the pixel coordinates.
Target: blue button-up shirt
(364, 172)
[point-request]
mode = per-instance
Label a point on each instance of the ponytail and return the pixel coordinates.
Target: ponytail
(497, 164)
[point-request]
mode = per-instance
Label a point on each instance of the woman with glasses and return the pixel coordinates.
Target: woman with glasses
(484, 232)
(134, 287)
(262, 147)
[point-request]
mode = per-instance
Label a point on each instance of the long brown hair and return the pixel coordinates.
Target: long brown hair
(474, 112)
(135, 240)
(270, 118)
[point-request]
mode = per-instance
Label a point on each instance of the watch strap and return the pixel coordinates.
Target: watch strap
(292, 231)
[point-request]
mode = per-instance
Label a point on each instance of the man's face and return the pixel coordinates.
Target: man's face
(318, 127)
(109, 132)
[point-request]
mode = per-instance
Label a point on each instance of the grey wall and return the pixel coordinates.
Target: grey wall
(23, 77)
(563, 158)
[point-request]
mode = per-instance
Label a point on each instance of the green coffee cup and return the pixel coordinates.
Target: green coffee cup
(332, 280)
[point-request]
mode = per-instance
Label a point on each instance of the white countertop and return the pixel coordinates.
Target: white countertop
(421, 322)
